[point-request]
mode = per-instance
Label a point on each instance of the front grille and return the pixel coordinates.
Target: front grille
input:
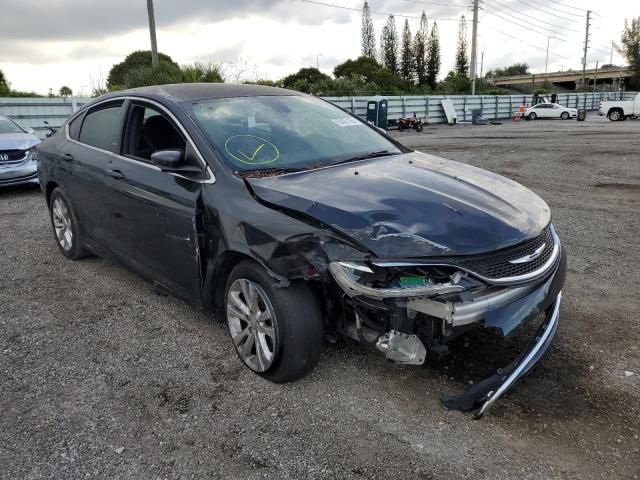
(12, 154)
(497, 266)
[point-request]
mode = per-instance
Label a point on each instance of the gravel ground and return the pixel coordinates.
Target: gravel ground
(103, 377)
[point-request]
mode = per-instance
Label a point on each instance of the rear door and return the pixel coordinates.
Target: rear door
(91, 141)
(153, 212)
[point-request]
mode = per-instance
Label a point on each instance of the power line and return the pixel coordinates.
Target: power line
(527, 43)
(571, 6)
(554, 11)
(377, 13)
(518, 12)
(531, 28)
(439, 4)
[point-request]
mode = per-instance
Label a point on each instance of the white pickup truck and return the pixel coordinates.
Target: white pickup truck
(621, 109)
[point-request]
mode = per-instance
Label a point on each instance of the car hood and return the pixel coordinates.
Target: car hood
(412, 205)
(17, 141)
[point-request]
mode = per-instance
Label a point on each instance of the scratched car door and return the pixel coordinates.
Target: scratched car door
(154, 214)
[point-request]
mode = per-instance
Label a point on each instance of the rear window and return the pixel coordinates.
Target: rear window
(100, 126)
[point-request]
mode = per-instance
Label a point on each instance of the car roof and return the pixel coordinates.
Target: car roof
(186, 92)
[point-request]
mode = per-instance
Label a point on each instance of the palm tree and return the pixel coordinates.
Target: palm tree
(65, 91)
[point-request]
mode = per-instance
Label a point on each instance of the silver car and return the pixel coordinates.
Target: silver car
(18, 157)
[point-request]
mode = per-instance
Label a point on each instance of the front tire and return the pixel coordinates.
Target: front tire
(616, 115)
(65, 226)
(532, 116)
(277, 331)
(564, 115)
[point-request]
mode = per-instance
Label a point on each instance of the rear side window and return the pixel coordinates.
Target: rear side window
(74, 127)
(100, 126)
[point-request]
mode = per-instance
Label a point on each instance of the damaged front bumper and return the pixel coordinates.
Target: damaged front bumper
(508, 309)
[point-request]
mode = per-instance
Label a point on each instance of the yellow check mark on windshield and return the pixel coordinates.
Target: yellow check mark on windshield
(252, 157)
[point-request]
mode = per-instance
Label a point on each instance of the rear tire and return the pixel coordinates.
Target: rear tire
(532, 116)
(66, 227)
(277, 331)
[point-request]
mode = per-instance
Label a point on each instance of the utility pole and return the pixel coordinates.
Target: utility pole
(595, 77)
(152, 32)
(318, 55)
(481, 62)
(474, 46)
(546, 61)
(611, 54)
(586, 46)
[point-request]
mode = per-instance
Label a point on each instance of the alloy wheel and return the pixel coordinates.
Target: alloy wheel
(62, 224)
(252, 324)
(615, 115)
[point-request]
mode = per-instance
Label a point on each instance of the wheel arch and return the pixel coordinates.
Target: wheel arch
(48, 190)
(216, 278)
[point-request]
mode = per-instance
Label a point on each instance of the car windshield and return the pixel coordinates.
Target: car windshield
(7, 126)
(286, 133)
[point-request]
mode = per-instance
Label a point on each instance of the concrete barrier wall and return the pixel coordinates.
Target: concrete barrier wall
(494, 107)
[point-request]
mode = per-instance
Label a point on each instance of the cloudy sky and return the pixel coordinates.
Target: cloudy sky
(75, 42)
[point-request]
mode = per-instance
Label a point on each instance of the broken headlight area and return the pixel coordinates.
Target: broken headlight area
(360, 279)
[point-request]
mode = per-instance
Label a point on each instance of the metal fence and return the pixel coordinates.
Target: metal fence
(32, 112)
(494, 107)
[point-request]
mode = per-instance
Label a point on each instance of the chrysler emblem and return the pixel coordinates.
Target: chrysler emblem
(529, 258)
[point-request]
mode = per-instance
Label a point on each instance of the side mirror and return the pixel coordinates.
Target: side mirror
(167, 159)
(29, 130)
(172, 160)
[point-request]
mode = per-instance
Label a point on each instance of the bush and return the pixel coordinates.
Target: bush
(146, 75)
(135, 60)
(201, 72)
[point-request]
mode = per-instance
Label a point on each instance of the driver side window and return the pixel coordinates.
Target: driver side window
(149, 131)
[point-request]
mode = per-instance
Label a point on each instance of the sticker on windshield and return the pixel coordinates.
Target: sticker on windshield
(251, 150)
(346, 122)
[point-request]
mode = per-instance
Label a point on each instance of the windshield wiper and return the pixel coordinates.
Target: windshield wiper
(266, 172)
(366, 156)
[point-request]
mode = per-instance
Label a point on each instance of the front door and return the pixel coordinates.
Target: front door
(153, 213)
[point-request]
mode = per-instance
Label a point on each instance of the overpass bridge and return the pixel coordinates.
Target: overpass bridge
(568, 79)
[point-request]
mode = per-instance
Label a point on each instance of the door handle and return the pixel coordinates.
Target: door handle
(67, 157)
(115, 174)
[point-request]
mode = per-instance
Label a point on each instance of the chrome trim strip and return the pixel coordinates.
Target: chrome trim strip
(494, 281)
(210, 180)
(530, 359)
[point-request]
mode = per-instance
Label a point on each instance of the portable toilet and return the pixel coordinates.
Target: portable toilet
(377, 112)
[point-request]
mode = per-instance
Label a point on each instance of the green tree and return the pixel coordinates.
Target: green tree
(454, 82)
(462, 57)
(433, 56)
(65, 91)
(365, 67)
(420, 51)
(631, 49)
(4, 85)
(389, 45)
(304, 79)
(406, 53)
(515, 69)
(368, 33)
(117, 77)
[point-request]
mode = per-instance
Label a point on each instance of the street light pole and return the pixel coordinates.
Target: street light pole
(546, 61)
(152, 33)
(318, 55)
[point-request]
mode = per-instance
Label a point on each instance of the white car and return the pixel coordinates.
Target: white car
(550, 110)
